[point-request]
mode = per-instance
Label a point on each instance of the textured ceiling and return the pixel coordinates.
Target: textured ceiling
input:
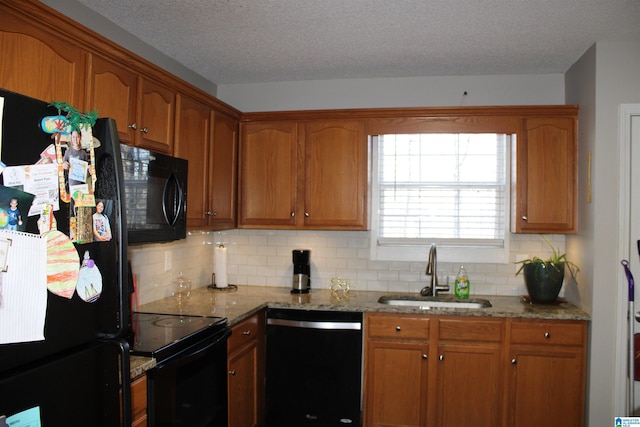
(245, 41)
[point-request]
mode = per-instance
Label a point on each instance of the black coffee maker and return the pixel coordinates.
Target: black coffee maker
(301, 271)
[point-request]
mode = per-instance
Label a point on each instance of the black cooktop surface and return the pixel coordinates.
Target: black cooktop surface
(162, 335)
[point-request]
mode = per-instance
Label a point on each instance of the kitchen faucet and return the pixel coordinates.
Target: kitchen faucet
(432, 270)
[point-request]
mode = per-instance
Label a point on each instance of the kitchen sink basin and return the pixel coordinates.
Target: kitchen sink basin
(427, 303)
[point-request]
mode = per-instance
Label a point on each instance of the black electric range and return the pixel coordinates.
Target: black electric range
(162, 336)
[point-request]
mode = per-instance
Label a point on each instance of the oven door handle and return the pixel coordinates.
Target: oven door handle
(189, 354)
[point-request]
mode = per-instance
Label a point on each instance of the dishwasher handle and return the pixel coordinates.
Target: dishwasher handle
(307, 324)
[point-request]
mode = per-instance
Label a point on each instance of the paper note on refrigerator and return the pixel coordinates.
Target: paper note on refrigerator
(24, 287)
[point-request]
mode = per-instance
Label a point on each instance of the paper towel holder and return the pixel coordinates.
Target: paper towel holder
(228, 288)
(213, 286)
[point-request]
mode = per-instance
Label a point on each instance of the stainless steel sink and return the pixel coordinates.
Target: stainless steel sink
(427, 303)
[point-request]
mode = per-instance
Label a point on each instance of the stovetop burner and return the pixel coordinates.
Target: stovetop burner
(163, 335)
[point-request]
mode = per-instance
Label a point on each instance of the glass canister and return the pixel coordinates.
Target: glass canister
(181, 287)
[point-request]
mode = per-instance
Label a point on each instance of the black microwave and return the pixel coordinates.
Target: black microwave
(155, 195)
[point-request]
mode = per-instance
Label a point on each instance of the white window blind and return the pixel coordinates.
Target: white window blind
(443, 188)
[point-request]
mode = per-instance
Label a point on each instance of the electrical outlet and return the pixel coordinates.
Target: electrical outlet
(167, 260)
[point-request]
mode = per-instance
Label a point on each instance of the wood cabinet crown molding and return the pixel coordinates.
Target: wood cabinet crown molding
(415, 112)
(48, 21)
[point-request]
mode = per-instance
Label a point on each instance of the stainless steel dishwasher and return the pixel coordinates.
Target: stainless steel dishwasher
(313, 368)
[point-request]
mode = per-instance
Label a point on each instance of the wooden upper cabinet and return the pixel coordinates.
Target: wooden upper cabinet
(143, 109)
(335, 174)
(544, 193)
(113, 92)
(156, 110)
(303, 174)
(268, 174)
(223, 174)
(192, 142)
(40, 64)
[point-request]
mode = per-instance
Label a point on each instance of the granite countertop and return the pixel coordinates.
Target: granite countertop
(237, 305)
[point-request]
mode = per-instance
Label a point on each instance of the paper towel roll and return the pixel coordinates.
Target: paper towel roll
(220, 266)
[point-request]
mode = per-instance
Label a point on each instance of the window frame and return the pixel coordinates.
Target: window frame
(447, 252)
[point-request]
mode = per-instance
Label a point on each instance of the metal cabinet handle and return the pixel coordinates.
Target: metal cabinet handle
(398, 328)
(441, 357)
(144, 130)
(547, 335)
(247, 333)
(524, 218)
(232, 372)
(514, 361)
(425, 357)
(306, 214)
(133, 126)
(293, 214)
(208, 213)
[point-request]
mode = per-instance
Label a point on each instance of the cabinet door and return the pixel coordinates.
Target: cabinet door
(156, 112)
(268, 175)
(39, 64)
(396, 384)
(113, 92)
(546, 177)
(335, 174)
(246, 347)
(243, 387)
(468, 385)
(546, 387)
(193, 129)
(223, 177)
(139, 402)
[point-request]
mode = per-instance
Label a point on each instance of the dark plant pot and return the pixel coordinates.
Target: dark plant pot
(543, 280)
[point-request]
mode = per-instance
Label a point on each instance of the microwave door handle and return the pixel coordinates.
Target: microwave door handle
(175, 208)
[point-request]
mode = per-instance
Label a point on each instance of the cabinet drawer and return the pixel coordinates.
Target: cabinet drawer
(397, 326)
(242, 333)
(139, 398)
(470, 329)
(548, 332)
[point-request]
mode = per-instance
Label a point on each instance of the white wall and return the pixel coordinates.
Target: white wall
(396, 92)
(606, 76)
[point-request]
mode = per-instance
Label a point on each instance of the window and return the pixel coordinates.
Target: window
(448, 189)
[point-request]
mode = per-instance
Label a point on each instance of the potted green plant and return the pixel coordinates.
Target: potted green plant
(544, 277)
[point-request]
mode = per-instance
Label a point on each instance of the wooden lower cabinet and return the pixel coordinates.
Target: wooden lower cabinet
(547, 375)
(139, 402)
(245, 364)
(450, 370)
(396, 391)
(396, 370)
(468, 372)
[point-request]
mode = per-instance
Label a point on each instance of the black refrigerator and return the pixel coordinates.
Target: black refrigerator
(64, 277)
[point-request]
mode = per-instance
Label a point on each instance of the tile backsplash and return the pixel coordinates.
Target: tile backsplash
(263, 258)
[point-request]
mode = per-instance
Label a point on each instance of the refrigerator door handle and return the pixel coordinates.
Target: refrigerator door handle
(125, 372)
(125, 375)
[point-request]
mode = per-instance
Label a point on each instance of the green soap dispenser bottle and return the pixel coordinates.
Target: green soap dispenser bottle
(461, 285)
